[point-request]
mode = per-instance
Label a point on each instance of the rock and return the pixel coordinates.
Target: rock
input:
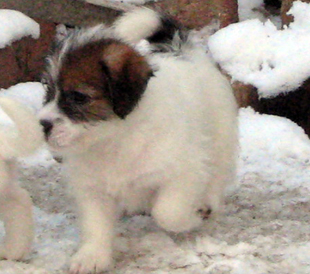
(23, 61)
(69, 12)
(245, 95)
(197, 14)
(294, 105)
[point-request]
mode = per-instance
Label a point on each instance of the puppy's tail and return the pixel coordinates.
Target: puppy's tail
(27, 134)
(144, 23)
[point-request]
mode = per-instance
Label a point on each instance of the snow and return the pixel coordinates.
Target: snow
(276, 130)
(14, 25)
(264, 227)
(31, 94)
(5, 120)
(257, 53)
(248, 9)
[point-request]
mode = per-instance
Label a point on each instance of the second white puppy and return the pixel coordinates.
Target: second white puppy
(16, 140)
(154, 133)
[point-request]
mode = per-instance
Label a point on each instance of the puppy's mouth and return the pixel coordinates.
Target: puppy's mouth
(59, 140)
(59, 134)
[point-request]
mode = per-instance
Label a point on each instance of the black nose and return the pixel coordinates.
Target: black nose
(47, 127)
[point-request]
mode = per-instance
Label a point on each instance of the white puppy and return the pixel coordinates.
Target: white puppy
(15, 204)
(155, 133)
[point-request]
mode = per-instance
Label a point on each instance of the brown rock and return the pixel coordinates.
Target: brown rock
(245, 95)
(294, 105)
(70, 12)
(9, 70)
(197, 13)
(35, 51)
(24, 60)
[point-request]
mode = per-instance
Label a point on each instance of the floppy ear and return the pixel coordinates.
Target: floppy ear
(128, 73)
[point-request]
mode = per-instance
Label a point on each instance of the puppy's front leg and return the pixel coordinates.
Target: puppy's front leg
(97, 218)
(16, 213)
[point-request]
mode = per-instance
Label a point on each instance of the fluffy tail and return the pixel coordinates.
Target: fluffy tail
(25, 137)
(145, 23)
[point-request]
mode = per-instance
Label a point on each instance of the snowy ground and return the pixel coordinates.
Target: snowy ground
(264, 227)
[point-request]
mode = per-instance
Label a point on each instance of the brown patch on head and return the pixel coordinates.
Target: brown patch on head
(129, 73)
(84, 87)
(118, 55)
(100, 79)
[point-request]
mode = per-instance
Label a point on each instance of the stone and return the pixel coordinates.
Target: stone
(24, 60)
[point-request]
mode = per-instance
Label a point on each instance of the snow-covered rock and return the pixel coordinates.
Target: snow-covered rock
(257, 53)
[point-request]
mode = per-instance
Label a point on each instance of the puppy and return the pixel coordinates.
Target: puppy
(15, 203)
(154, 133)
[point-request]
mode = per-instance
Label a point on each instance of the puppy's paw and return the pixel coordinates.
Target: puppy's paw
(176, 217)
(91, 259)
(214, 202)
(14, 252)
(2, 253)
(17, 244)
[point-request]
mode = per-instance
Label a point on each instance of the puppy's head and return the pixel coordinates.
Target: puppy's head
(90, 85)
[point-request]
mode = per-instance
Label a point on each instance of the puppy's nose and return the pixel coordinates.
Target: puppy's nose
(47, 127)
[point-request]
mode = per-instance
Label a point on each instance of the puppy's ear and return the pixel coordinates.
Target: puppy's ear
(128, 73)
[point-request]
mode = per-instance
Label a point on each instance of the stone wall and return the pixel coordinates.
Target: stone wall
(24, 60)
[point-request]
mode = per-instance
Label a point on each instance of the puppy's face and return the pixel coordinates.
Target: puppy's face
(88, 87)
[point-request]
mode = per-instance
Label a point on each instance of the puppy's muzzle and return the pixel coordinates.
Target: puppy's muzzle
(47, 127)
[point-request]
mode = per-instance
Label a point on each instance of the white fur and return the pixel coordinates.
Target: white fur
(15, 203)
(172, 156)
(136, 24)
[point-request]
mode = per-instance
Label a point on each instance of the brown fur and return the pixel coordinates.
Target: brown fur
(109, 74)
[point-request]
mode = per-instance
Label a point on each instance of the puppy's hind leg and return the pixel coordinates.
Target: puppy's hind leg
(16, 213)
(176, 207)
(224, 171)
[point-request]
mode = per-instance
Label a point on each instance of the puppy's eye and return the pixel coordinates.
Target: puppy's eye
(79, 97)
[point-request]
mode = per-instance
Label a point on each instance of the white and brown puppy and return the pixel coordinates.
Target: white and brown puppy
(155, 133)
(19, 138)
